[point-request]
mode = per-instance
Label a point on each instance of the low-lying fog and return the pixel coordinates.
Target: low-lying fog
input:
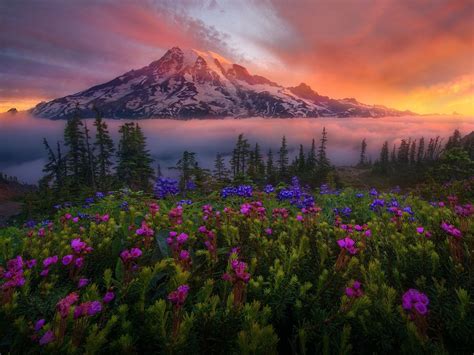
(22, 153)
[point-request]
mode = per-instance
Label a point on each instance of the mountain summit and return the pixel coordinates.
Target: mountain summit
(192, 83)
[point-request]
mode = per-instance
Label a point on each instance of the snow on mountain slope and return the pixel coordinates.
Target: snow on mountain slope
(191, 83)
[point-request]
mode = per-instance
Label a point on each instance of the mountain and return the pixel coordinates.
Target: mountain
(191, 83)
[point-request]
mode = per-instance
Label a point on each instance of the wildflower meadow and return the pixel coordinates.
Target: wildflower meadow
(242, 270)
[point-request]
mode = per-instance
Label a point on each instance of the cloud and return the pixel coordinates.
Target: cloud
(52, 48)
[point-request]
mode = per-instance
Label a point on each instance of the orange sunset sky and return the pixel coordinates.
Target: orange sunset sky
(406, 54)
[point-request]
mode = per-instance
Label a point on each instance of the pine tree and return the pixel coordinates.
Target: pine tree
(220, 172)
(301, 162)
(186, 166)
(259, 164)
(283, 160)
(420, 155)
(363, 148)
(393, 155)
(454, 141)
(76, 155)
(158, 170)
(270, 169)
(134, 161)
(55, 168)
(403, 152)
(104, 146)
(90, 172)
(413, 153)
(323, 164)
(384, 161)
(240, 157)
(311, 160)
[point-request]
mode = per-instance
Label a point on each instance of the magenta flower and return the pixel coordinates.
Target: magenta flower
(178, 296)
(67, 259)
(299, 218)
(268, 231)
(420, 230)
(109, 297)
(415, 301)
(135, 253)
(78, 245)
(31, 263)
(65, 304)
(50, 261)
(79, 262)
(355, 290)
(182, 238)
(184, 255)
(145, 230)
(47, 337)
(347, 244)
(451, 230)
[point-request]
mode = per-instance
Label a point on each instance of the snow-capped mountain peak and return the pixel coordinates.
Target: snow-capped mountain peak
(193, 83)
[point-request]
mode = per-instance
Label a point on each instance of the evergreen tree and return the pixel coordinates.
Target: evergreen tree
(134, 161)
(301, 162)
(311, 160)
(384, 161)
(413, 153)
(393, 155)
(158, 170)
(420, 155)
(90, 172)
(454, 141)
(323, 164)
(403, 152)
(76, 155)
(270, 173)
(187, 167)
(259, 164)
(55, 168)
(240, 157)
(363, 148)
(220, 171)
(283, 160)
(104, 146)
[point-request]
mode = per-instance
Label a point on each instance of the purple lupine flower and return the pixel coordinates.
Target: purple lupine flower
(39, 324)
(94, 308)
(67, 259)
(82, 283)
(50, 260)
(109, 297)
(47, 337)
(31, 263)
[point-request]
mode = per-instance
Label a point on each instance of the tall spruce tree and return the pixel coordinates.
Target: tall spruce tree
(323, 164)
(420, 155)
(384, 160)
(363, 148)
(76, 155)
(220, 171)
(283, 160)
(90, 171)
(270, 173)
(134, 160)
(104, 146)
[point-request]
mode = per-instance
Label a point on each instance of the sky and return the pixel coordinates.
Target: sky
(405, 54)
